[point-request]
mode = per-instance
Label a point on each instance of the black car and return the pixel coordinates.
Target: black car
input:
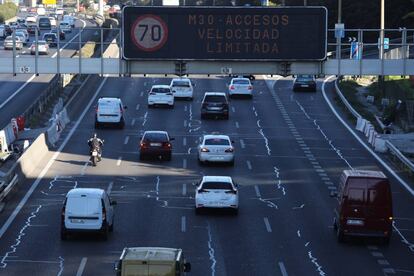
(62, 35)
(155, 144)
(51, 39)
(8, 30)
(215, 104)
(304, 82)
(31, 29)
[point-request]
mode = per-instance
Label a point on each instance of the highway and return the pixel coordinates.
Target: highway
(18, 92)
(290, 150)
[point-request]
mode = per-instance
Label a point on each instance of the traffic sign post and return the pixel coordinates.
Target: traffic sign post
(224, 33)
(356, 50)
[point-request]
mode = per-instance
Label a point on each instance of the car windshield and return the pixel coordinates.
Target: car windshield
(305, 77)
(181, 84)
(214, 98)
(216, 142)
(217, 186)
(49, 36)
(245, 82)
(160, 90)
(155, 137)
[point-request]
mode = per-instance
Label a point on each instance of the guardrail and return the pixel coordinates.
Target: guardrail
(395, 152)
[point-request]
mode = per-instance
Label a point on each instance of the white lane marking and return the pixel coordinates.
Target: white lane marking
(388, 168)
(269, 152)
(383, 262)
(61, 265)
(403, 239)
(249, 164)
(372, 247)
(109, 189)
(84, 168)
(211, 251)
(242, 144)
(118, 162)
(16, 211)
(145, 118)
(314, 261)
(157, 188)
(184, 189)
(126, 140)
(267, 224)
(183, 224)
(282, 269)
(237, 125)
(298, 233)
(133, 122)
(185, 108)
(256, 188)
(17, 91)
(81, 266)
(233, 109)
(18, 240)
(137, 107)
(185, 163)
(184, 141)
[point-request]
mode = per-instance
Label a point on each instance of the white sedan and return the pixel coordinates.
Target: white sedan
(240, 86)
(182, 88)
(43, 48)
(216, 148)
(217, 192)
(160, 95)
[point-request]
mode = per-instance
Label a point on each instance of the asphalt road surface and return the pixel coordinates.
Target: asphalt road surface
(290, 150)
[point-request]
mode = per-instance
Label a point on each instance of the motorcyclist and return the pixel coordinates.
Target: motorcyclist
(95, 143)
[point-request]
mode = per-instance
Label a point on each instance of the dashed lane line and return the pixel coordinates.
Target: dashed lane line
(267, 224)
(283, 269)
(126, 140)
(183, 224)
(249, 164)
(81, 266)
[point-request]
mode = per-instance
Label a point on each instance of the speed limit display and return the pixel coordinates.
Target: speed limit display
(149, 33)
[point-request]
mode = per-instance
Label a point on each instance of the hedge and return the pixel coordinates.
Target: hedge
(7, 11)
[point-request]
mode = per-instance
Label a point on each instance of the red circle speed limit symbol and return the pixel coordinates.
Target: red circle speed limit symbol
(149, 32)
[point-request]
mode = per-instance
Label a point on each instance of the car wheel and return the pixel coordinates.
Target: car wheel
(203, 117)
(201, 163)
(150, 106)
(226, 117)
(334, 224)
(141, 157)
(171, 106)
(386, 240)
(121, 124)
(197, 211)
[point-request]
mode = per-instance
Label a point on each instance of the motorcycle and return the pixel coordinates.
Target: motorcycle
(95, 157)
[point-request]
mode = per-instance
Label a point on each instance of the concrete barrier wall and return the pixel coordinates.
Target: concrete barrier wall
(27, 162)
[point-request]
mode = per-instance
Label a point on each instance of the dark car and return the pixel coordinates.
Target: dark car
(62, 35)
(44, 23)
(156, 144)
(31, 29)
(8, 30)
(304, 82)
(51, 39)
(364, 205)
(215, 104)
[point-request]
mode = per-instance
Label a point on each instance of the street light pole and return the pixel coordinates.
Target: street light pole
(382, 29)
(338, 39)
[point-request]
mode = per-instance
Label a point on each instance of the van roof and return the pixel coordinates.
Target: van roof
(150, 253)
(89, 192)
(364, 173)
(107, 99)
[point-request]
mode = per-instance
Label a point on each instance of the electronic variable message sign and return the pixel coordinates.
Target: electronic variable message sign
(224, 33)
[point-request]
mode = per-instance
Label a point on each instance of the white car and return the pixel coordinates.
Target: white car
(52, 21)
(216, 148)
(65, 27)
(31, 19)
(217, 192)
(182, 88)
(87, 210)
(70, 19)
(43, 48)
(240, 86)
(8, 43)
(160, 95)
(110, 111)
(2, 31)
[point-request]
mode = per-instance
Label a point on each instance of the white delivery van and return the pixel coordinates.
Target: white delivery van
(87, 210)
(110, 111)
(148, 261)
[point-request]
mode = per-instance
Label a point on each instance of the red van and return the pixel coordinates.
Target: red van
(365, 205)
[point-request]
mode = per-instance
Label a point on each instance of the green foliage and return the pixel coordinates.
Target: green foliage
(7, 11)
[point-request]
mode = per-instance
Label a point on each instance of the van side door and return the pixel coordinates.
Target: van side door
(109, 209)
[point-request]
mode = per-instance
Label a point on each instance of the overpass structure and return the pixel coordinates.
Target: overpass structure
(279, 41)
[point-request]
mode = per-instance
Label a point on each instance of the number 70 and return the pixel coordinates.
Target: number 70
(155, 31)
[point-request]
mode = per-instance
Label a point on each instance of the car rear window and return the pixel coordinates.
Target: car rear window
(155, 137)
(83, 205)
(356, 196)
(245, 82)
(379, 193)
(49, 36)
(160, 90)
(305, 77)
(181, 84)
(214, 99)
(217, 186)
(217, 142)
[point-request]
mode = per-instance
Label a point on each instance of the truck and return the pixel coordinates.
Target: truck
(146, 261)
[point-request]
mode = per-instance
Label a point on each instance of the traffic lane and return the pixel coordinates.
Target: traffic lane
(330, 134)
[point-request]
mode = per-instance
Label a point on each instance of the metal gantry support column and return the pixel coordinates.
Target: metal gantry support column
(120, 42)
(102, 51)
(14, 53)
(361, 48)
(36, 53)
(381, 54)
(338, 39)
(80, 51)
(405, 52)
(58, 50)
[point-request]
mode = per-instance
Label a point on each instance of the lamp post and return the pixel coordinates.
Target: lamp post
(382, 29)
(338, 39)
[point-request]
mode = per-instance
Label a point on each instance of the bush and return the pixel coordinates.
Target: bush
(7, 11)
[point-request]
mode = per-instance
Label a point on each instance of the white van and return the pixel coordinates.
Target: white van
(41, 11)
(69, 19)
(87, 210)
(110, 111)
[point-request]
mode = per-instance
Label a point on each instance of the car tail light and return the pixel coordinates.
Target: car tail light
(97, 109)
(250, 87)
(234, 192)
(205, 150)
(229, 150)
(169, 94)
(390, 218)
(144, 145)
(231, 87)
(167, 145)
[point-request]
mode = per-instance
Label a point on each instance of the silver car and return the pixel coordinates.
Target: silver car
(240, 86)
(43, 48)
(8, 43)
(216, 148)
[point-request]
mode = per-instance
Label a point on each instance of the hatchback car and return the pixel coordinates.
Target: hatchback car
(215, 104)
(51, 39)
(8, 43)
(182, 88)
(304, 82)
(62, 35)
(240, 86)
(23, 34)
(160, 95)
(110, 111)
(65, 27)
(218, 192)
(42, 48)
(216, 148)
(155, 144)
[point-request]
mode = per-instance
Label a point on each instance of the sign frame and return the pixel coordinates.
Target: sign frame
(325, 33)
